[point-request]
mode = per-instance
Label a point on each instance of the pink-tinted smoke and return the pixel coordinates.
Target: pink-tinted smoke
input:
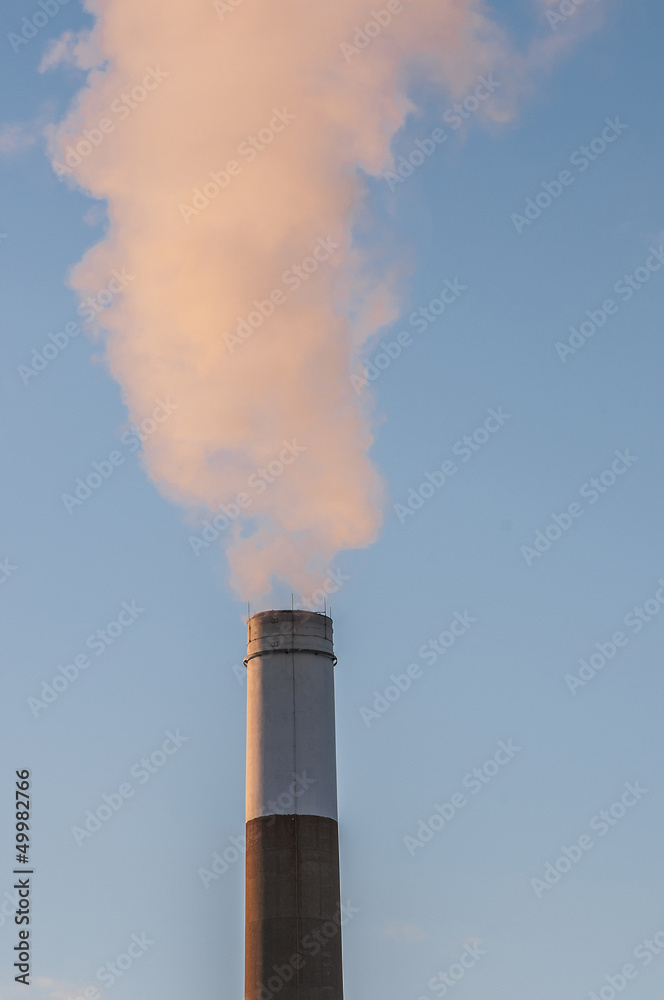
(174, 94)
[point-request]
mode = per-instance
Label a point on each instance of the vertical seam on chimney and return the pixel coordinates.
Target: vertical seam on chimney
(295, 817)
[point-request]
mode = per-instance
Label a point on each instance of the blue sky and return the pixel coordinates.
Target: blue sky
(174, 666)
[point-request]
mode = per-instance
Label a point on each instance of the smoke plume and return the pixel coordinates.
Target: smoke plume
(230, 140)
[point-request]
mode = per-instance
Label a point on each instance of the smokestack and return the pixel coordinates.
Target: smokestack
(293, 908)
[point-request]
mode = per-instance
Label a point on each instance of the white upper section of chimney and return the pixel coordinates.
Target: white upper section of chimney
(291, 750)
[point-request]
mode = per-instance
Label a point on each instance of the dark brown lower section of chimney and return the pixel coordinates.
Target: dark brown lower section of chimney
(293, 921)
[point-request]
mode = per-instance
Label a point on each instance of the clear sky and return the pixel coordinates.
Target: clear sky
(543, 422)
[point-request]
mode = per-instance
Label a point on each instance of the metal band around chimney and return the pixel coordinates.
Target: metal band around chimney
(268, 652)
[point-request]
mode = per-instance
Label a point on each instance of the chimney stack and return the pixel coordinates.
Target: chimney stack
(293, 908)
